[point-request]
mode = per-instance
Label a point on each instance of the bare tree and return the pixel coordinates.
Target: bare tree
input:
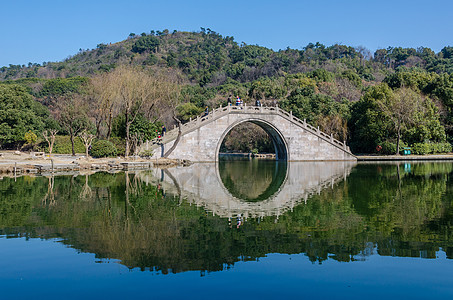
(71, 112)
(138, 92)
(334, 125)
(134, 93)
(136, 141)
(166, 95)
(87, 139)
(104, 102)
(49, 136)
(364, 52)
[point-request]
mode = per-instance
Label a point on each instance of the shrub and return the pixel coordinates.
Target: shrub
(428, 148)
(151, 60)
(30, 137)
(445, 148)
(421, 148)
(63, 145)
(103, 148)
(389, 148)
(321, 75)
(120, 144)
(146, 43)
(146, 153)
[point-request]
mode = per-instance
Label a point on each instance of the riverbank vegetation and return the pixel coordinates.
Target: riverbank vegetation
(124, 92)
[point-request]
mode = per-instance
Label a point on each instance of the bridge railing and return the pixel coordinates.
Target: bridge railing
(221, 111)
(192, 124)
(315, 130)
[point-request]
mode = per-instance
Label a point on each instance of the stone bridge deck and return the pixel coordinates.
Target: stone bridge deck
(270, 118)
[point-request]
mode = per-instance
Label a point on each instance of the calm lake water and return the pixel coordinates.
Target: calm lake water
(247, 229)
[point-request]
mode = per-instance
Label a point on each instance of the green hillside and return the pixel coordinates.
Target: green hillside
(349, 92)
(207, 57)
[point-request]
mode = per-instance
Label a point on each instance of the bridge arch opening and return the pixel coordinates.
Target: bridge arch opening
(278, 143)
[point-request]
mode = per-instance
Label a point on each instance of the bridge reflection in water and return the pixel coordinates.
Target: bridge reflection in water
(263, 188)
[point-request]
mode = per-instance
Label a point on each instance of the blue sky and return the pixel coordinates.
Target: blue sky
(51, 30)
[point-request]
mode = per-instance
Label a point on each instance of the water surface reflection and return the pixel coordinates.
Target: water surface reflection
(249, 188)
(177, 219)
(252, 180)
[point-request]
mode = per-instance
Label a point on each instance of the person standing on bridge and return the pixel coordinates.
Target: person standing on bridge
(229, 100)
(238, 101)
(164, 130)
(258, 103)
(206, 111)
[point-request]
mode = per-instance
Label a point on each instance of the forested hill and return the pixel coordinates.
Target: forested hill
(393, 97)
(209, 58)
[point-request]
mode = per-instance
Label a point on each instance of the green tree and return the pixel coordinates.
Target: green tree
(441, 87)
(54, 88)
(367, 125)
(384, 115)
(267, 88)
(402, 109)
(319, 110)
(188, 110)
(321, 75)
(412, 79)
(140, 126)
(146, 43)
(19, 113)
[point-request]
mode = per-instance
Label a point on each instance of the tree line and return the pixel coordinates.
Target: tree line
(127, 102)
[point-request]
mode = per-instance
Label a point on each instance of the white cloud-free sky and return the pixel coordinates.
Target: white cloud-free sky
(51, 30)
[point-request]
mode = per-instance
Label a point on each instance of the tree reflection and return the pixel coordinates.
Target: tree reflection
(378, 208)
(86, 193)
(50, 194)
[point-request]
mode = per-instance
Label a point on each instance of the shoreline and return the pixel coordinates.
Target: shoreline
(404, 157)
(22, 163)
(15, 163)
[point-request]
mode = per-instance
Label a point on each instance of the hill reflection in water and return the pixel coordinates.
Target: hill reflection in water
(178, 219)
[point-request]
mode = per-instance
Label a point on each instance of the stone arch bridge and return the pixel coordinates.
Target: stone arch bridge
(294, 139)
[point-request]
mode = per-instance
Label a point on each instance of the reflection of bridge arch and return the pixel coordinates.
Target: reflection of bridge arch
(280, 145)
(278, 180)
(200, 185)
